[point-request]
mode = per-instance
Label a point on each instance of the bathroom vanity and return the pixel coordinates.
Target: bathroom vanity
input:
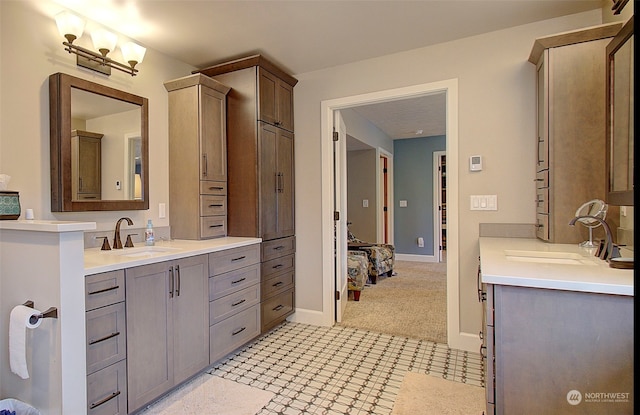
(557, 329)
(188, 304)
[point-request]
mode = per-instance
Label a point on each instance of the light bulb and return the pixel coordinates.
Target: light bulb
(69, 25)
(132, 53)
(104, 41)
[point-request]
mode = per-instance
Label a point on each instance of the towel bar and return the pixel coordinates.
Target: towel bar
(51, 312)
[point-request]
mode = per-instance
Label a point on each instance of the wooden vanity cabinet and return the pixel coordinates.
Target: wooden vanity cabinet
(197, 157)
(234, 299)
(106, 346)
(570, 165)
(260, 156)
(86, 168)
(167, 326)
(543, 345)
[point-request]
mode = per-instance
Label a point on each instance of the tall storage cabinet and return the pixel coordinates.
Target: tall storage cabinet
(570, 166)
(260, 156)
(197, 157)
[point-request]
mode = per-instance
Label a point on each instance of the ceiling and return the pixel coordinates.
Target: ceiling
(308, 35)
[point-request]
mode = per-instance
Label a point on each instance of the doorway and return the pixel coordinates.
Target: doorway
(450, 87)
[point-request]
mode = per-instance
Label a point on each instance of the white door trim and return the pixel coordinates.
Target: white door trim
(456, 339)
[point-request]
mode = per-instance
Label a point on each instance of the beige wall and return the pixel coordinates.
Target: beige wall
(496, 119)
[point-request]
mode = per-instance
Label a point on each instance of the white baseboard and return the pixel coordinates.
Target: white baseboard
(469, 342)
(416, 258)
(312, 317)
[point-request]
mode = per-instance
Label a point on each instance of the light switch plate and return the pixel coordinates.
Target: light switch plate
(403, 203)
(484, 202)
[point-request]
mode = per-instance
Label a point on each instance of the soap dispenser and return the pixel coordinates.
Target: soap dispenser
(149, 239)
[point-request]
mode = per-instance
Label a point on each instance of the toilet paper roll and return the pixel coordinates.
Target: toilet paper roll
(18, 324)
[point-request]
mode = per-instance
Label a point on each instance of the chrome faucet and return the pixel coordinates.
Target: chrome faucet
(117, 243)
(609, 250)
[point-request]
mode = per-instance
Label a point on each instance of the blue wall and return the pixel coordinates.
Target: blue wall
(413, 182)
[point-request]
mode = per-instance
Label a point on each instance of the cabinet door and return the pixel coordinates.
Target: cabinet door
(542, 161)
(285, 106)
(268, 89)
(213, 135)
(286, 186)
(269, 181)
(149, 328)
(276, 100)
(190, 316)
(88, 181)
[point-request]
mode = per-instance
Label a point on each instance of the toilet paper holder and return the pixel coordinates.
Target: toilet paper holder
(51, 312)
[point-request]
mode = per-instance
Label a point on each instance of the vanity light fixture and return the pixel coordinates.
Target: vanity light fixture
(71, 27)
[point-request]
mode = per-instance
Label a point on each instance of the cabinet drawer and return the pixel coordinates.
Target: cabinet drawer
(542, 200)
(212, 226)
(277, 307)
(107, 390)
(542, 179)
(233, 303)
(106, 336)
(213, 205)
(209, 187)
(542, 226)
(276, 284)
(233, 332)
(277, 266)
(230, 282)
(235, 258)
(278, 247)
(103, 289)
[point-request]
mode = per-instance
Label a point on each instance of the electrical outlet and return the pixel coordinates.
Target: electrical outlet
(420, 242)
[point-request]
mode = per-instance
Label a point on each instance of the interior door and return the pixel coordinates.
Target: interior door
(340, 206)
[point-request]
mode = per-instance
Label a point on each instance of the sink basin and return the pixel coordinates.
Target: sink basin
(548, 257)
(145, 251)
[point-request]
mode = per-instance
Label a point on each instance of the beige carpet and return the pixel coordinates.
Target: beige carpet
(411, 304)
(422, 394)
(209, 394)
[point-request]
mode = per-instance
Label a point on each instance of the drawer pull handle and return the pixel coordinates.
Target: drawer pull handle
(105, 290)
(104, 400)
(239, 258)
(215, 226)
(277, 266)
(238, 331)
(278, 308)
(216, 205)
(238, 303)
(178, 281)
(215, 188)
(237, 281)
(277, 284)
(91, 342)
(483, 352)
(278, 247)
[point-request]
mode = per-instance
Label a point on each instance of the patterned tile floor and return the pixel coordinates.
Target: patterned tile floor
(339, 370)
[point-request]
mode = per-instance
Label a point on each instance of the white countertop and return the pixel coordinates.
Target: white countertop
(514, 261)
(96, 261)
(46, 225)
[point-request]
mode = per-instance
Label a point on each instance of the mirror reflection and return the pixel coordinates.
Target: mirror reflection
(620, 117)
(99, 147)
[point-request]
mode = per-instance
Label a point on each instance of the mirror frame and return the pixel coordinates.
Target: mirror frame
(60, 85)
(624, 197)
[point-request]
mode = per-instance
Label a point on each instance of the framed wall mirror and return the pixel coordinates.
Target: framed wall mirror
(620, 117)
(99, 147)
